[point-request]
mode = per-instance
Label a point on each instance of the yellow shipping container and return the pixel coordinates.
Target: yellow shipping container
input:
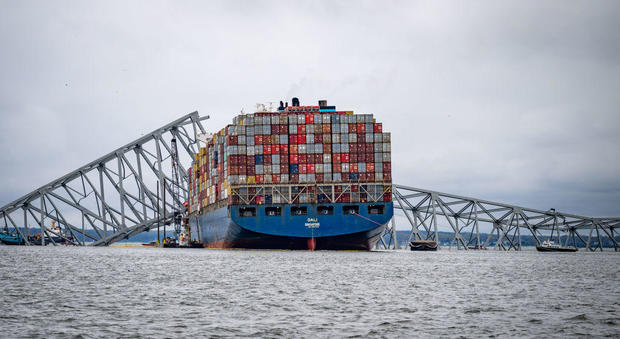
(251, 179)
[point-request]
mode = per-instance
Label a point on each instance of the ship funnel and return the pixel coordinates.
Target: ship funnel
(295, 102)
(322, 103)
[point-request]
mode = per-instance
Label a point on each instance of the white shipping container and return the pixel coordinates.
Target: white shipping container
(318, 168)
(386, 147)
(335, 138)
(369, 138)
(283, 139)
(275, 169)
(267, 169)
(258, 149)
(344, 148)
(310, 138)
(302, 149)
(327, 158)
(352, 138)
(317, 119)
(275, 159)
(326, 118)
(241, 140)
(336, 148)
(337, 177)
(311, 177)
(250, 150)
(387, 157)
(361, 167)
(345, 167)
(378, 157)
(284, 178)
(379, 167)
(386, 137)
(259, 169)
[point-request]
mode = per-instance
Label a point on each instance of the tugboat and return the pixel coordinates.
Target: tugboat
(550, 246)
(423, 245)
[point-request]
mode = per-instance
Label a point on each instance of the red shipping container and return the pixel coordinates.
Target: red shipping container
(337, 168)
(327, 148)
(249, 160)
(309, 119)
(276, 178)
(345, 178)
(267, 149)
(260, 178)
(361, 128)
(275, 139)
(303, 169)
(345, 157)
(267, 159)
(292, 139)
(354, 167)
(326, 128)
(258, 140)
(352, 128)
(301, 129)
(283, 129)
(369, 148)
(311, 168)
(234, 170)
(303, 158)
(353, 157)
(370, 167)
(275, 129)
(251, 170)
(294, 178)
(293, 149)
(318, 138)
(283, 149)
(387, 197)
(283, 169)
(387, 176)
(378, 128)
(231, 140)
(301, 138)
(242, 170)
(294, 159)
(336, 158)
(387, 167)
(284, 159)
(319, 177)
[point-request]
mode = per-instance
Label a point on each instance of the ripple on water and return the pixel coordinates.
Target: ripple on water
(136, 292)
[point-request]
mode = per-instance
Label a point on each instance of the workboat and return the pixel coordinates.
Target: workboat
(423, 245)
(550, 246)
(11, 239)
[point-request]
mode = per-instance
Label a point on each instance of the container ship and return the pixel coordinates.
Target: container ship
(301, 177)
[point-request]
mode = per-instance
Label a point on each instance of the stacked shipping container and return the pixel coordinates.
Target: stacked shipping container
(302, 149)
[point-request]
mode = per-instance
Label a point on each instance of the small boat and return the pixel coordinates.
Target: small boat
(11, 239)
(150, 244)
(550, 246)
(423, 245)
(476, 247)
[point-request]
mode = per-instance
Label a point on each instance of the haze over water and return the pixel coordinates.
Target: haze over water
(149, 292)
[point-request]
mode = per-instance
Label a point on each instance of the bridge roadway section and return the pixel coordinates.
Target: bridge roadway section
(116, 196)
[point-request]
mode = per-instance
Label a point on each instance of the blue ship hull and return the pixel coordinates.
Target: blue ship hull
(349, 226)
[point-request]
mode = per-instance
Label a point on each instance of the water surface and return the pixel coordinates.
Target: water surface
(151, 292)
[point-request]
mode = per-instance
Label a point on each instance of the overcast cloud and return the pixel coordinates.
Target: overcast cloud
(510, 101)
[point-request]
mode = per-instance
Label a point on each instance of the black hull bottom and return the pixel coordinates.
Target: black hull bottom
(547, 249)
(362, 241)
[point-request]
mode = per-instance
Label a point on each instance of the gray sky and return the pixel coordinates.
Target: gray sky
(510, 101)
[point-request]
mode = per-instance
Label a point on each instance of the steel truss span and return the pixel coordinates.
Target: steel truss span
(113, 197)
(424, 210)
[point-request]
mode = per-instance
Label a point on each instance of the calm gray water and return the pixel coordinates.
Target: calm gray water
(149, 292)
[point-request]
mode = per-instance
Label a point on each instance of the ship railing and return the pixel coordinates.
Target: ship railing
(371, 192)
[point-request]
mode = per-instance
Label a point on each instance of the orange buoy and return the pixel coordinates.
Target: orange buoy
(311, 244)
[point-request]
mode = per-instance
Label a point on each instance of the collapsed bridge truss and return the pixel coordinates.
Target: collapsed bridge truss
(116, 196)
(429, 211)
(113, 197)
